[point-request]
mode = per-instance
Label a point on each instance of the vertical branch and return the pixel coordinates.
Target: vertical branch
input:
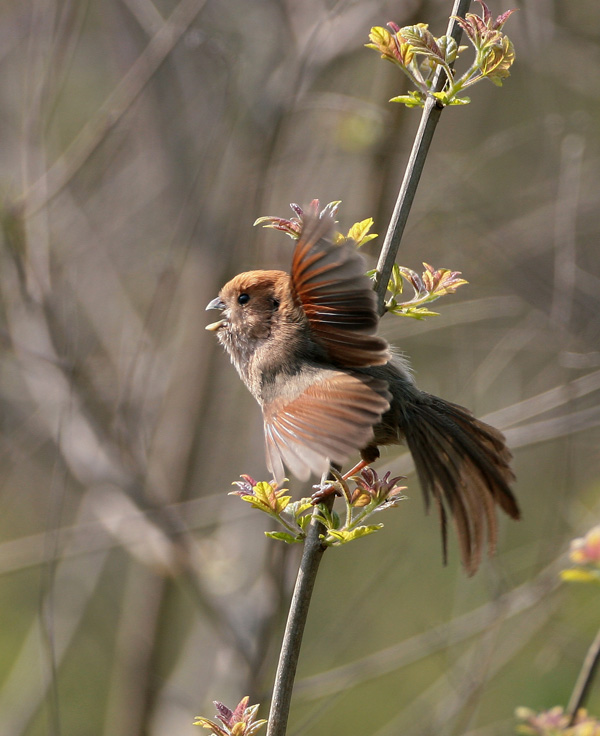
(294, 628)
(416, 162)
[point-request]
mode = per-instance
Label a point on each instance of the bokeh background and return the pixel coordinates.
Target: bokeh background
(139, 141)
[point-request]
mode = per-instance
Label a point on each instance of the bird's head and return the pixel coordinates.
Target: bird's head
(251, 303)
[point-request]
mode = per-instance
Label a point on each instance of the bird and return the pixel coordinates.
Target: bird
(305, 343)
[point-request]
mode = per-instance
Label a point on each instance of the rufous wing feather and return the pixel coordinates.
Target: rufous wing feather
(329, 421)
(329, 282)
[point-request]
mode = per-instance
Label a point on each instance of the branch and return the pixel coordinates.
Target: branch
(585, 679)
(294, 628)
(416, 162)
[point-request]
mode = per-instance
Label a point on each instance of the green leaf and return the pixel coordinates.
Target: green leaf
(412, 99)
(272, 499)
(498, 59)
(392, 47)
(304, 521)
(359, 232)
(414, 312)
(448, 100)
(336, 537)
(257, 503)
(285, 537)
(422, 42)
(297, 508)
(329, 518)
(449, 48)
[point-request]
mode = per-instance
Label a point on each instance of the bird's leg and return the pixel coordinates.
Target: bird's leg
(326, 490)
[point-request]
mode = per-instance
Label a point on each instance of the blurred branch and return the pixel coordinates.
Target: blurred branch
(112, 110)
(147, 15)
(463, 627)
(585, 679)
(545, 401)
(451, 693)
(416, 162)
(549, 429)
(21, 694)
(565, 228)
(131, 669)
(459, 313)
(145, 542)
(125, 525)
(93, 458)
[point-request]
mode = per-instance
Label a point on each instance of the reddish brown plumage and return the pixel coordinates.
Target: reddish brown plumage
(305, 345)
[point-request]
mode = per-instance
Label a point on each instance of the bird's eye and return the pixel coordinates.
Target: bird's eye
(243, 298)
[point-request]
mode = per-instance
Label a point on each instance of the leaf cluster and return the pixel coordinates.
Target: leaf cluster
(238, 722)
(364, 494)
(420, 55)
(428, 287)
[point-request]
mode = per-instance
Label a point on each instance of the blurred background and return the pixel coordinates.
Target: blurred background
(140, 139)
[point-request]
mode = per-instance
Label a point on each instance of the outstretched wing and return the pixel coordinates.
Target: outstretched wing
(330, 420)
(329, 282)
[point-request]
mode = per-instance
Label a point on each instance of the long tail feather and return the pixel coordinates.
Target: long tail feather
(464, 464)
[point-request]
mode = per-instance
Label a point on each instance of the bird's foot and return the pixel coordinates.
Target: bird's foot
(324, 489)
(323, 492)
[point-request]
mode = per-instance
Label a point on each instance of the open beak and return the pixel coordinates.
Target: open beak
(216, 303)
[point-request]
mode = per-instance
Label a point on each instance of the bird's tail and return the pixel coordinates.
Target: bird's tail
(464, 464)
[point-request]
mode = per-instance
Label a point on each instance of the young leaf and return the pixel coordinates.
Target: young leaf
(285, 537)
(359, 232)
(412, 99)
(422, 42)
(335, 537)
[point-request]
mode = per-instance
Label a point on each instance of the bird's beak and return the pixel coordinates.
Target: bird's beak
(216, 303)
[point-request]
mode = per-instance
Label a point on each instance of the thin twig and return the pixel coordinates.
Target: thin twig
(585, 679)
(294, 629)
(416, 162)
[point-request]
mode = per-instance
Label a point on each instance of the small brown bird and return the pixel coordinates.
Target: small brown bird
(305, 345)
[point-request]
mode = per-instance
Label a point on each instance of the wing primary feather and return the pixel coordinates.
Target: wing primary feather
(330, 284)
